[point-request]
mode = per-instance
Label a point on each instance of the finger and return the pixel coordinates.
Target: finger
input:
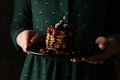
(75, 60)
(102, 46)
(28, 36)
(31, 33)
(101, 39)
(83, 59)
(87, 59)
(91, 60)
(35, 39)
(98, 59)
(102, 42)
(26, 46)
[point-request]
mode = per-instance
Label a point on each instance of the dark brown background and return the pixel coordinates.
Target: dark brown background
(10, 60)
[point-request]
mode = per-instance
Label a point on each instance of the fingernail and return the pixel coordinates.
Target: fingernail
(31, 40)
(71, 59)
(28, 43)
(83, 59)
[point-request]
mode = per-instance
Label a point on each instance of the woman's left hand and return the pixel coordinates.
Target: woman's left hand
(107, 48)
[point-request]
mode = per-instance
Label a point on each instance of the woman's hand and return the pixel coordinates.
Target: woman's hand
(107, 48)
(27, 38)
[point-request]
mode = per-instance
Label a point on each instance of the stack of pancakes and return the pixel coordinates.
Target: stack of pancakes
(59, 38)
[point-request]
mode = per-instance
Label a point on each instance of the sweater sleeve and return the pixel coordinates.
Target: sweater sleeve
(117, 37)
(115, 22)
(22, 19)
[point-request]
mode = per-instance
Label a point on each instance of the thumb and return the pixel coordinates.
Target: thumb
(102, 42)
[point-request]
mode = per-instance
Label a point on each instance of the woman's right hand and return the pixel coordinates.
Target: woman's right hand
(27, 38)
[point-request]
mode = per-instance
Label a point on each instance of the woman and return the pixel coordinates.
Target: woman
(96, 22)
